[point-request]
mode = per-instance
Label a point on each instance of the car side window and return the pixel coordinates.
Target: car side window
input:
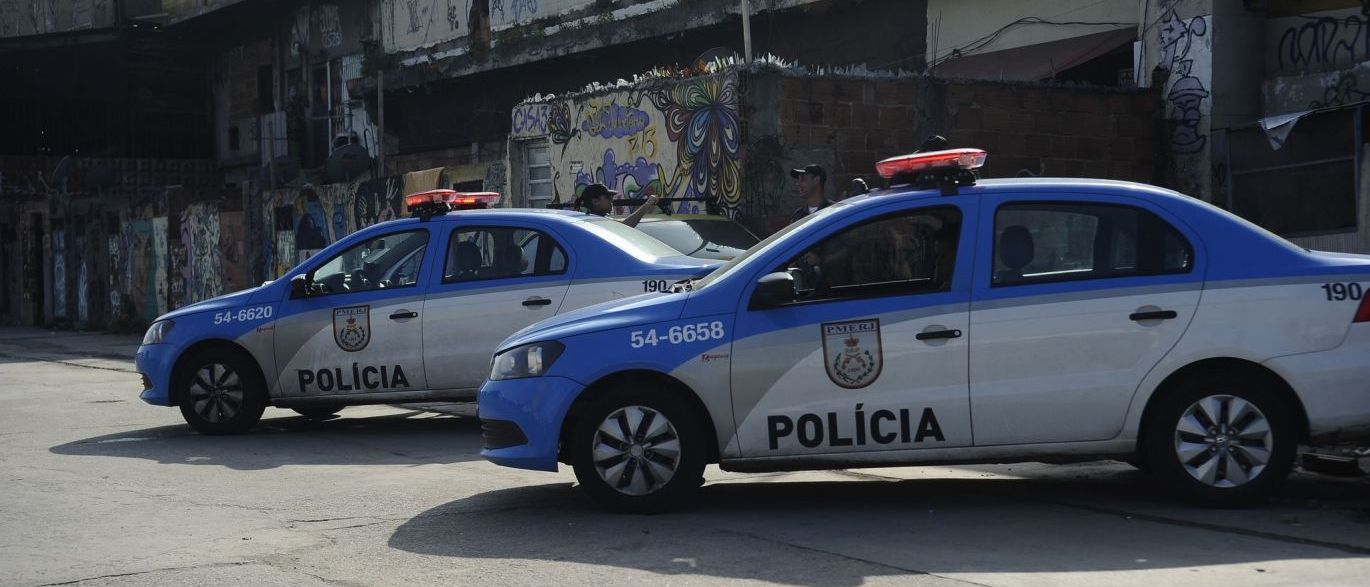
(499, 252)
(905, 253)
(1062, 241)
(386, 261)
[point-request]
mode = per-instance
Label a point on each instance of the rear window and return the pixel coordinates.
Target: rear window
(1045, 242)
(703, 238)
(636, 242)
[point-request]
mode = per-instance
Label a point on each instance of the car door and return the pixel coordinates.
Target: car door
(495, 280)
(871, 358)
(357, 331)
(1076, 298)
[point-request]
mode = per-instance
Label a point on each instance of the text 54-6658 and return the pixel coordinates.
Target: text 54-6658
(677, 334)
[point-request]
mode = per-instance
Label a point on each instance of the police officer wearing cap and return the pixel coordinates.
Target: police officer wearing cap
(598, 199)
(809, 184)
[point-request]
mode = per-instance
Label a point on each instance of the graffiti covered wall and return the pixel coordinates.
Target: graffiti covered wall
(671, 138)
(1319, 41)
(411, 24)
(1318, 60)
(509, 13)
(1187, 58)
(296, 223)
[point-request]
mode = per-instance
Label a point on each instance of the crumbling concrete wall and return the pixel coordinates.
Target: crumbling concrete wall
(22, 18)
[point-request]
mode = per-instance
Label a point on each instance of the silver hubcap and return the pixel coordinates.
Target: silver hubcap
(1223, 441)
(216, 393)
(636, 450)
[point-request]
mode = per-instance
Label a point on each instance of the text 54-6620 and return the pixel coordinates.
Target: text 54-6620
(677, 334)
(243, 315)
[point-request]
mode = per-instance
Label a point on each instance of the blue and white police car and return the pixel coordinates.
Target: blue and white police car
(950, 320)
(376, 317)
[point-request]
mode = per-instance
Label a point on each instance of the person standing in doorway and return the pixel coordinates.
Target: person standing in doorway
(809, 183)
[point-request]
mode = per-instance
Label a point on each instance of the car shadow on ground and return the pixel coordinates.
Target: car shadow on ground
(409, 437)
(847, 532)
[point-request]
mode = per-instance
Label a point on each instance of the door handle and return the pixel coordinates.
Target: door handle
(1154, 315)
(404, 314)
(936, 334)
(532, 302)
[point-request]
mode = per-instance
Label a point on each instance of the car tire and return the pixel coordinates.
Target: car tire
(666, 439)
(1222, 440)
(318, 412)
(220, 392)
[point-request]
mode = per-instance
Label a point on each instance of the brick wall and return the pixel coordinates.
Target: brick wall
(860, 121)
(1057, 131)
(1027, 129)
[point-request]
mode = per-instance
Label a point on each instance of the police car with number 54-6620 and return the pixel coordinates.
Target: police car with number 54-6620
(945, 320)
(376, 317)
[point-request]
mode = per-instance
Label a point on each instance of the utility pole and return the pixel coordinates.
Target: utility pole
(747, 30)
(380, 131)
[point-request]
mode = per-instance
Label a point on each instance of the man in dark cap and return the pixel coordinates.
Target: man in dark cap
(809, 184)
(598, 199)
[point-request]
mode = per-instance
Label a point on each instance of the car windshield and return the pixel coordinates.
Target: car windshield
(635, 242)
(744, 260)
(706, 238)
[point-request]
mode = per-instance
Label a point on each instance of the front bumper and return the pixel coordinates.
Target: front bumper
(154, 362)
(537, 406)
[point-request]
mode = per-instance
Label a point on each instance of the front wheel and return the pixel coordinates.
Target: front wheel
(639, 452)
(220, 393)
(1222, 441)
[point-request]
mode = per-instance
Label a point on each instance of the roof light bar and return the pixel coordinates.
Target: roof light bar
(433, 202)
(951, 159)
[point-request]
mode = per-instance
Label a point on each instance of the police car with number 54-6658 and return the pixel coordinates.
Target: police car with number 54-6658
(946, 320)
(377, 317)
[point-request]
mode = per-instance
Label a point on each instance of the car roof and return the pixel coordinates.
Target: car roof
(554, 215)
(663, 217)
(1026, 185)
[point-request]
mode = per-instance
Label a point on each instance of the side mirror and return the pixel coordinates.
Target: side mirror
(774, 289)
(299, 286)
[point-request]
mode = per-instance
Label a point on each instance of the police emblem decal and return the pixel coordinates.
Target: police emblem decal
(352, 327)
(851, 352)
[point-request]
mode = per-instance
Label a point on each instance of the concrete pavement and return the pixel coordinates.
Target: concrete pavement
(100, 488)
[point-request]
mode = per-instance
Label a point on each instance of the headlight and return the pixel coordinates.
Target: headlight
(529, 360)
(158, 331)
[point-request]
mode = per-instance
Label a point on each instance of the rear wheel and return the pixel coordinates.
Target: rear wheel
(318, 412)
(220, 392)
(637, 452)
(1221, 440)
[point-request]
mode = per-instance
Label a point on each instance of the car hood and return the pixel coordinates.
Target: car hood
(223, 302)
(643, 309)
(700, 267)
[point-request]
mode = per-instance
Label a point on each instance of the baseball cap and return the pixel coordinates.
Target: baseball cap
(596, 190)
(811, 169)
